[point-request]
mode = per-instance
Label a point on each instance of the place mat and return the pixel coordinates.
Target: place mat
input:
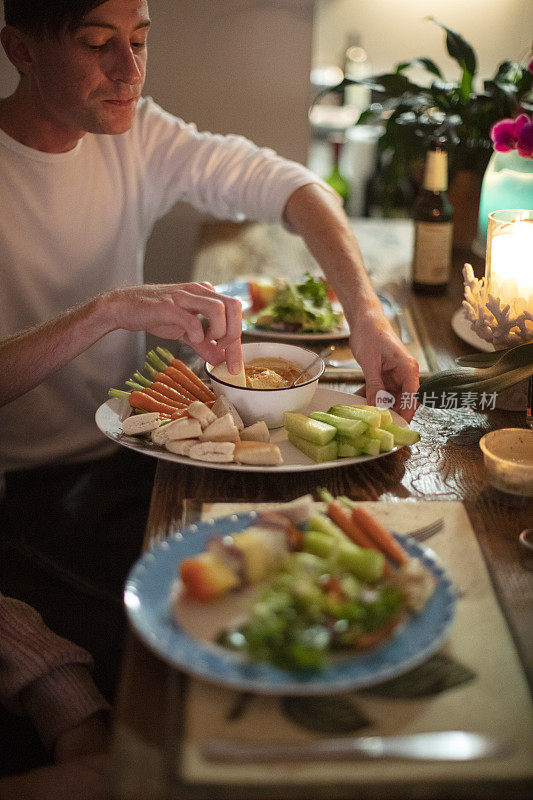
(475, 682)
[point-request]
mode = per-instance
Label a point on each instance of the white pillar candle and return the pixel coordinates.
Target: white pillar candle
(511, 261)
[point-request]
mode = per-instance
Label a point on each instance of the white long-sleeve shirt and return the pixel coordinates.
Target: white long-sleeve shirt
(75, 224)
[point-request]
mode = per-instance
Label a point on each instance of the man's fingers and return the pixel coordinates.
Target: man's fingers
(210, 352)
(233, 357)
(224, 314)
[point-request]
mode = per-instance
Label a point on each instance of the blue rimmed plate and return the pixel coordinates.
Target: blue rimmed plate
(188, 644)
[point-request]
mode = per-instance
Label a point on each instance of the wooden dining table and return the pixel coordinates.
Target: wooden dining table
(446, 465)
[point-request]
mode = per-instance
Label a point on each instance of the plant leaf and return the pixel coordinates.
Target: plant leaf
(329, 714)
(428, 63)
(238, 709)
(367, 115)
(490, 380)
(459, 49)
(434, 676)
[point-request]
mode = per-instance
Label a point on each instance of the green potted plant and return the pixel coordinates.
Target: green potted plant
(411, 112)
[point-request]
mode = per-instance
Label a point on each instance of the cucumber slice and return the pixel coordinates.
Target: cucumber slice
(403, 435)
(369, 445)
(347, 427)
(316, 452)
(348, 450)
(372, 417)
(386, 416)
(386, 439)
(309, 429)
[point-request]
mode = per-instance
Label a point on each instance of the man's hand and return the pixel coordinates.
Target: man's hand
(316, 214)
(194, 313)
(385, 362)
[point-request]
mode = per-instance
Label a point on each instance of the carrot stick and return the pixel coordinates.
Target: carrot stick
(179, 365)
(180, 412)
(177, 384)
(171, 393)
(165, 362)
(161, 398)
(146, 403)
(382, 539)
(188, 385)
(342, 519)
(162, 377)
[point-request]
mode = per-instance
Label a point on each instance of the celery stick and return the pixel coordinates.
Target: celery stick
(318, 543)
(322, 523)
(327, 497)
(324, 495)
(362, 562)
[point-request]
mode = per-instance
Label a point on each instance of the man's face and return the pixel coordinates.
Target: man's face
(90, 79)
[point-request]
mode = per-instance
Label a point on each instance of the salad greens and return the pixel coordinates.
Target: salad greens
(302, 306)
(312, 606)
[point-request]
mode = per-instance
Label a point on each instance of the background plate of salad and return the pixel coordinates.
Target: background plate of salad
(294, 310)
(147, 600)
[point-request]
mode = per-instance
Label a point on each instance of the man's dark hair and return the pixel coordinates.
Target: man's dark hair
(47, 17)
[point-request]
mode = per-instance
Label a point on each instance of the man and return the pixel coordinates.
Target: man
(86, 168)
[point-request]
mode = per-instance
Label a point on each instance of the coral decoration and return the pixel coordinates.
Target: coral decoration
(498, 322)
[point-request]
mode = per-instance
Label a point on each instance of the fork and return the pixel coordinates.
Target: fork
(427, 531)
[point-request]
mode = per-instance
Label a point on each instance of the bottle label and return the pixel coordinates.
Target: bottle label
(433, 252)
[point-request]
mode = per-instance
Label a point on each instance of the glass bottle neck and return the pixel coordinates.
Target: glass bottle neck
(436, 172)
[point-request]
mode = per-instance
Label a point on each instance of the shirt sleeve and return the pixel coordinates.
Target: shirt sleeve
(226, 176)
(43, 675)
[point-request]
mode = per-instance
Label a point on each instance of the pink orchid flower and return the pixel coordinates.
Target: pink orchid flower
(514, 134)
(525, 140)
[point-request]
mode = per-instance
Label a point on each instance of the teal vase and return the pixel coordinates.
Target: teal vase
(507, 183)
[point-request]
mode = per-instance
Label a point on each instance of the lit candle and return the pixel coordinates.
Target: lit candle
(509, 270)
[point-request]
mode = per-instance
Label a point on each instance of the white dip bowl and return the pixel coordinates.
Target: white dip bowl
(508, 457)
(269, 404)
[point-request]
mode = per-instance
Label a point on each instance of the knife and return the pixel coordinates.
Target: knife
(395, 313)
(435, 746)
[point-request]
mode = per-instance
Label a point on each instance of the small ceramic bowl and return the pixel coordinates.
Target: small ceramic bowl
(508, 457)
(269, 404)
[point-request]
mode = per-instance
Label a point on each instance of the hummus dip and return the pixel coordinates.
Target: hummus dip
(270, 373)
